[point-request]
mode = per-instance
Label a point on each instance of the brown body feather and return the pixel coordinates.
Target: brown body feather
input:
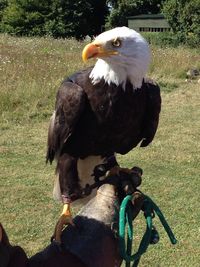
(99, 119)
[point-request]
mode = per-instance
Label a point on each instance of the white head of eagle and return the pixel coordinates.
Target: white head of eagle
(122, 53)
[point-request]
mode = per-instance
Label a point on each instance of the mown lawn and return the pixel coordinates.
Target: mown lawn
(31, 71)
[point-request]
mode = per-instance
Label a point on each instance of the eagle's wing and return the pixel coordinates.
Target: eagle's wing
(70, 102)
(152, 112)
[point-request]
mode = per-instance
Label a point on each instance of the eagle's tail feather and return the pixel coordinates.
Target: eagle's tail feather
(50, 142)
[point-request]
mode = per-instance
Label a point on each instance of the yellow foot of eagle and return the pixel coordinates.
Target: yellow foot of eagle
(117, 169)
(65, 219)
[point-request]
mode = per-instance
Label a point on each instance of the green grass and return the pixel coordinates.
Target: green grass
(31, 71)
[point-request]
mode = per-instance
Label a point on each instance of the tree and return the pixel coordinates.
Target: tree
(58, 18)
(68, 19)
(3, 5)
(77, 18)
(183, 17)
(26, 17)
(98, 16)
(124, 8)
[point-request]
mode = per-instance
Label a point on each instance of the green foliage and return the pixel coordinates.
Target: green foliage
(76, 18)
(57, 18)
(184, 18)
(3, 5)
(171, 39)
(124, 8)
(25, 17)
(68, 19)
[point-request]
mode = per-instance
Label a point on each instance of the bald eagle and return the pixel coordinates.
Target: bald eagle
(102, 110)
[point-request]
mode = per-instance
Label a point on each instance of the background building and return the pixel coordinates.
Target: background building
(148, 23)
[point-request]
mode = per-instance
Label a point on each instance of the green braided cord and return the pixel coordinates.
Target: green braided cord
(130, 233)
(126, 216)
(122, 224)
(162, 220)
(146, 237)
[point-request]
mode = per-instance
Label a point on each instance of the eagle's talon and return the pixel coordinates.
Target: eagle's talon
(65, 219)
(114, 171)
(117, 169)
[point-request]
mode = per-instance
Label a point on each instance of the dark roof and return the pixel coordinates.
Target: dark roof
(147, 16)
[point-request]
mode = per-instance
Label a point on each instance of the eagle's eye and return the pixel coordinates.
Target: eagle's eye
(116, 42)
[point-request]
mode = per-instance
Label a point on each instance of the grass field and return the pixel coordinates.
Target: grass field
(31, 71)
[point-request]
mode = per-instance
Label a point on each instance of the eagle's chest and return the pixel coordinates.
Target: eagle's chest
(116, 107)
(111, 122)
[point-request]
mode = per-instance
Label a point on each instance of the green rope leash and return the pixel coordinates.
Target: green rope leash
(126, 216)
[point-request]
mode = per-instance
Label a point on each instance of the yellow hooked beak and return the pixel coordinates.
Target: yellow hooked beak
(94, 50)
